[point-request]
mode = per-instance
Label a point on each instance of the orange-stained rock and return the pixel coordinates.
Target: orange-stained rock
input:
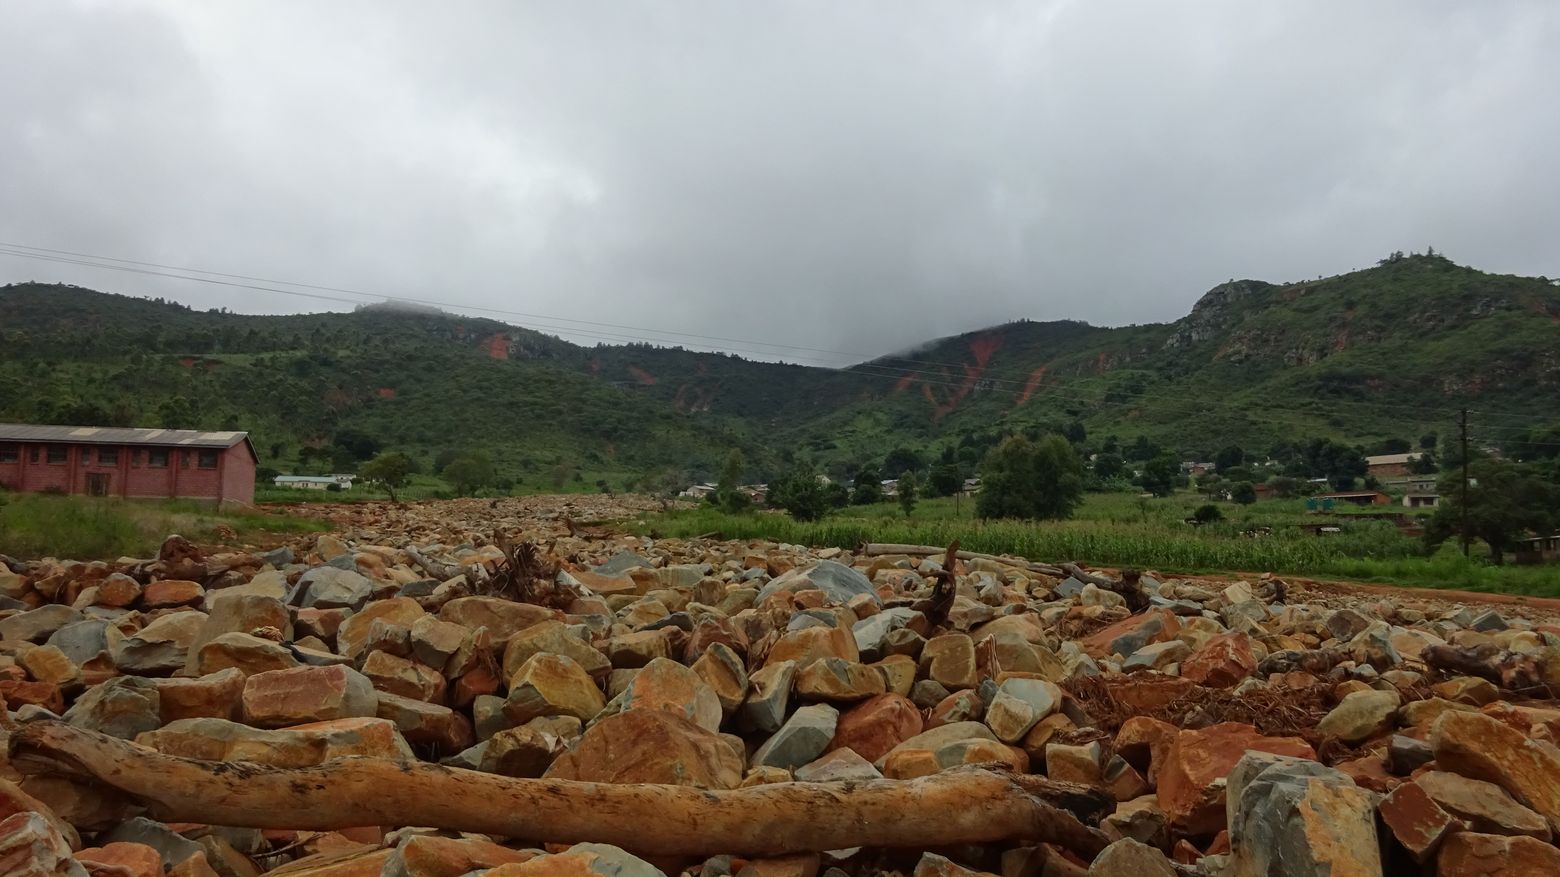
(479, 680)
(352, 635)
(172, 592)
(811, 643)
(1188, 785)
(1467, 854)
(1482, 748)
(197, 865)
(1146, 692)
(18, 694)
(1418, 822)
(1132, 633)
(1369, 772)
(651, 746)
(136, 860)
(14, 800)
(431, 856)
(877, 725)
(403, 676)
(949, 660)
(280, 698)
(215, 695)
(1144, 742)
(1222, 662)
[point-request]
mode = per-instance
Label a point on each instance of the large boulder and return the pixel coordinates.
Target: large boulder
(650, 746)
(875, 726)
(328, 587)
(280, 698)
(664, 684)
(1191, 788)
(552, 685)
(162, 647)
(353, 634)
(1482, 748)
(553, 637)
(502, 618)
(1292, 817)
(120, 707)
(804, 737)
(836, 580)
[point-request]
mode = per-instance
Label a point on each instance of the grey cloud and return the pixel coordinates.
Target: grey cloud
(855, 177)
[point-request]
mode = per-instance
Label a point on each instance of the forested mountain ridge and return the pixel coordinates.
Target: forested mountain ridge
(1380, 353)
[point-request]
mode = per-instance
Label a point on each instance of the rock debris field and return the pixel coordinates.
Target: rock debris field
(493, 687)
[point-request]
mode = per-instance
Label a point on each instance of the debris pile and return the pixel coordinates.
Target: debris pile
(506, 688)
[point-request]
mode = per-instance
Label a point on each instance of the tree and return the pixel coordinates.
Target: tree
(1244, 492)
(869, 487)
(389, 469)
(1284, 486)
(728, 491)
(1142, 449)
(469, 472)
(1424, 464)
(1207, 514)
(907, 491)
(1394, 446)
(945, 479)
(445, 457)
(901, 460)
(1161, 474)
(1505, 501)
(1427, 442)
(1024, 479)
(1108, 466)
(801, 494)
(1229, 457)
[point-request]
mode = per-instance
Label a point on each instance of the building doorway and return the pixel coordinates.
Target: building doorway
(97, 484)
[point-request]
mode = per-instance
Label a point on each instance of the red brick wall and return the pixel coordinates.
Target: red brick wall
(133, 476)
(238, 474)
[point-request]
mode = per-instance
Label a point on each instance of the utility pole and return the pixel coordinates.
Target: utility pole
(1462, 424)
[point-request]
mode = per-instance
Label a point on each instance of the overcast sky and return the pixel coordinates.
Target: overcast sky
(849, 176)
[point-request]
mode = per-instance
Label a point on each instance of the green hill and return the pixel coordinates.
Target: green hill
(1384, 353)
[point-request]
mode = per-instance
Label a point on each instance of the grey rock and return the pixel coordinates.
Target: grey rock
(836, 580)
(622, 562)
(1069, 587)
(1130, 858)
(872, 630)
(768, 695)
(1406, 754)
(37, 625)
(327, 587)
(85, 640)
(1346, 624)
(801, 739)
(162, 647)
(1292, 817)
(278, 557)
(123, 707)
(928, 693)
(1488, 621)
(172, 846)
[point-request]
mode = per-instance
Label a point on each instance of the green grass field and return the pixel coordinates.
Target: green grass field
(88, 528)
(1124, 530)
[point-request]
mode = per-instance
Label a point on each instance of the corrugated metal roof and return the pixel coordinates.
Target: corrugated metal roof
(106, 435)
(1392, 459)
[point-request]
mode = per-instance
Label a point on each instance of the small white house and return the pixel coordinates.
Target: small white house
(315, 482)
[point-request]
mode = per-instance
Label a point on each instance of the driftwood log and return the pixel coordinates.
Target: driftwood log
(961, 806)
(878, 549)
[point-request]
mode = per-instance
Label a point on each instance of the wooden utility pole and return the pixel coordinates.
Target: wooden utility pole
(1462, 425)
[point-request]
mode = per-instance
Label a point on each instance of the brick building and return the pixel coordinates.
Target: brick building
(135, 463)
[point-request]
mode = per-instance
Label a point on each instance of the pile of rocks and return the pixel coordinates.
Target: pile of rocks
(1233, 728)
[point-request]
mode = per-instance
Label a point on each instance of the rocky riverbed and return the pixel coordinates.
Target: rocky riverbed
(1171, 725)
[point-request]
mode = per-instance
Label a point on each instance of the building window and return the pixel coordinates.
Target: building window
(32, 455)
(108, 456)
(184, 460)
(157, 458)
(58, 455)
(208, 460)
(9, 452)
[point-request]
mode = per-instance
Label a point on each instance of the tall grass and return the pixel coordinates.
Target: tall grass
(1365, 551)
(89, 528)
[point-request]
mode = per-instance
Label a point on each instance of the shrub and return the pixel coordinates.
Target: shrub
(1207, 514)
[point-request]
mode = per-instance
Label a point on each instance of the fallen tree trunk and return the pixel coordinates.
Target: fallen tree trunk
(966, 805)
(877, 549)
